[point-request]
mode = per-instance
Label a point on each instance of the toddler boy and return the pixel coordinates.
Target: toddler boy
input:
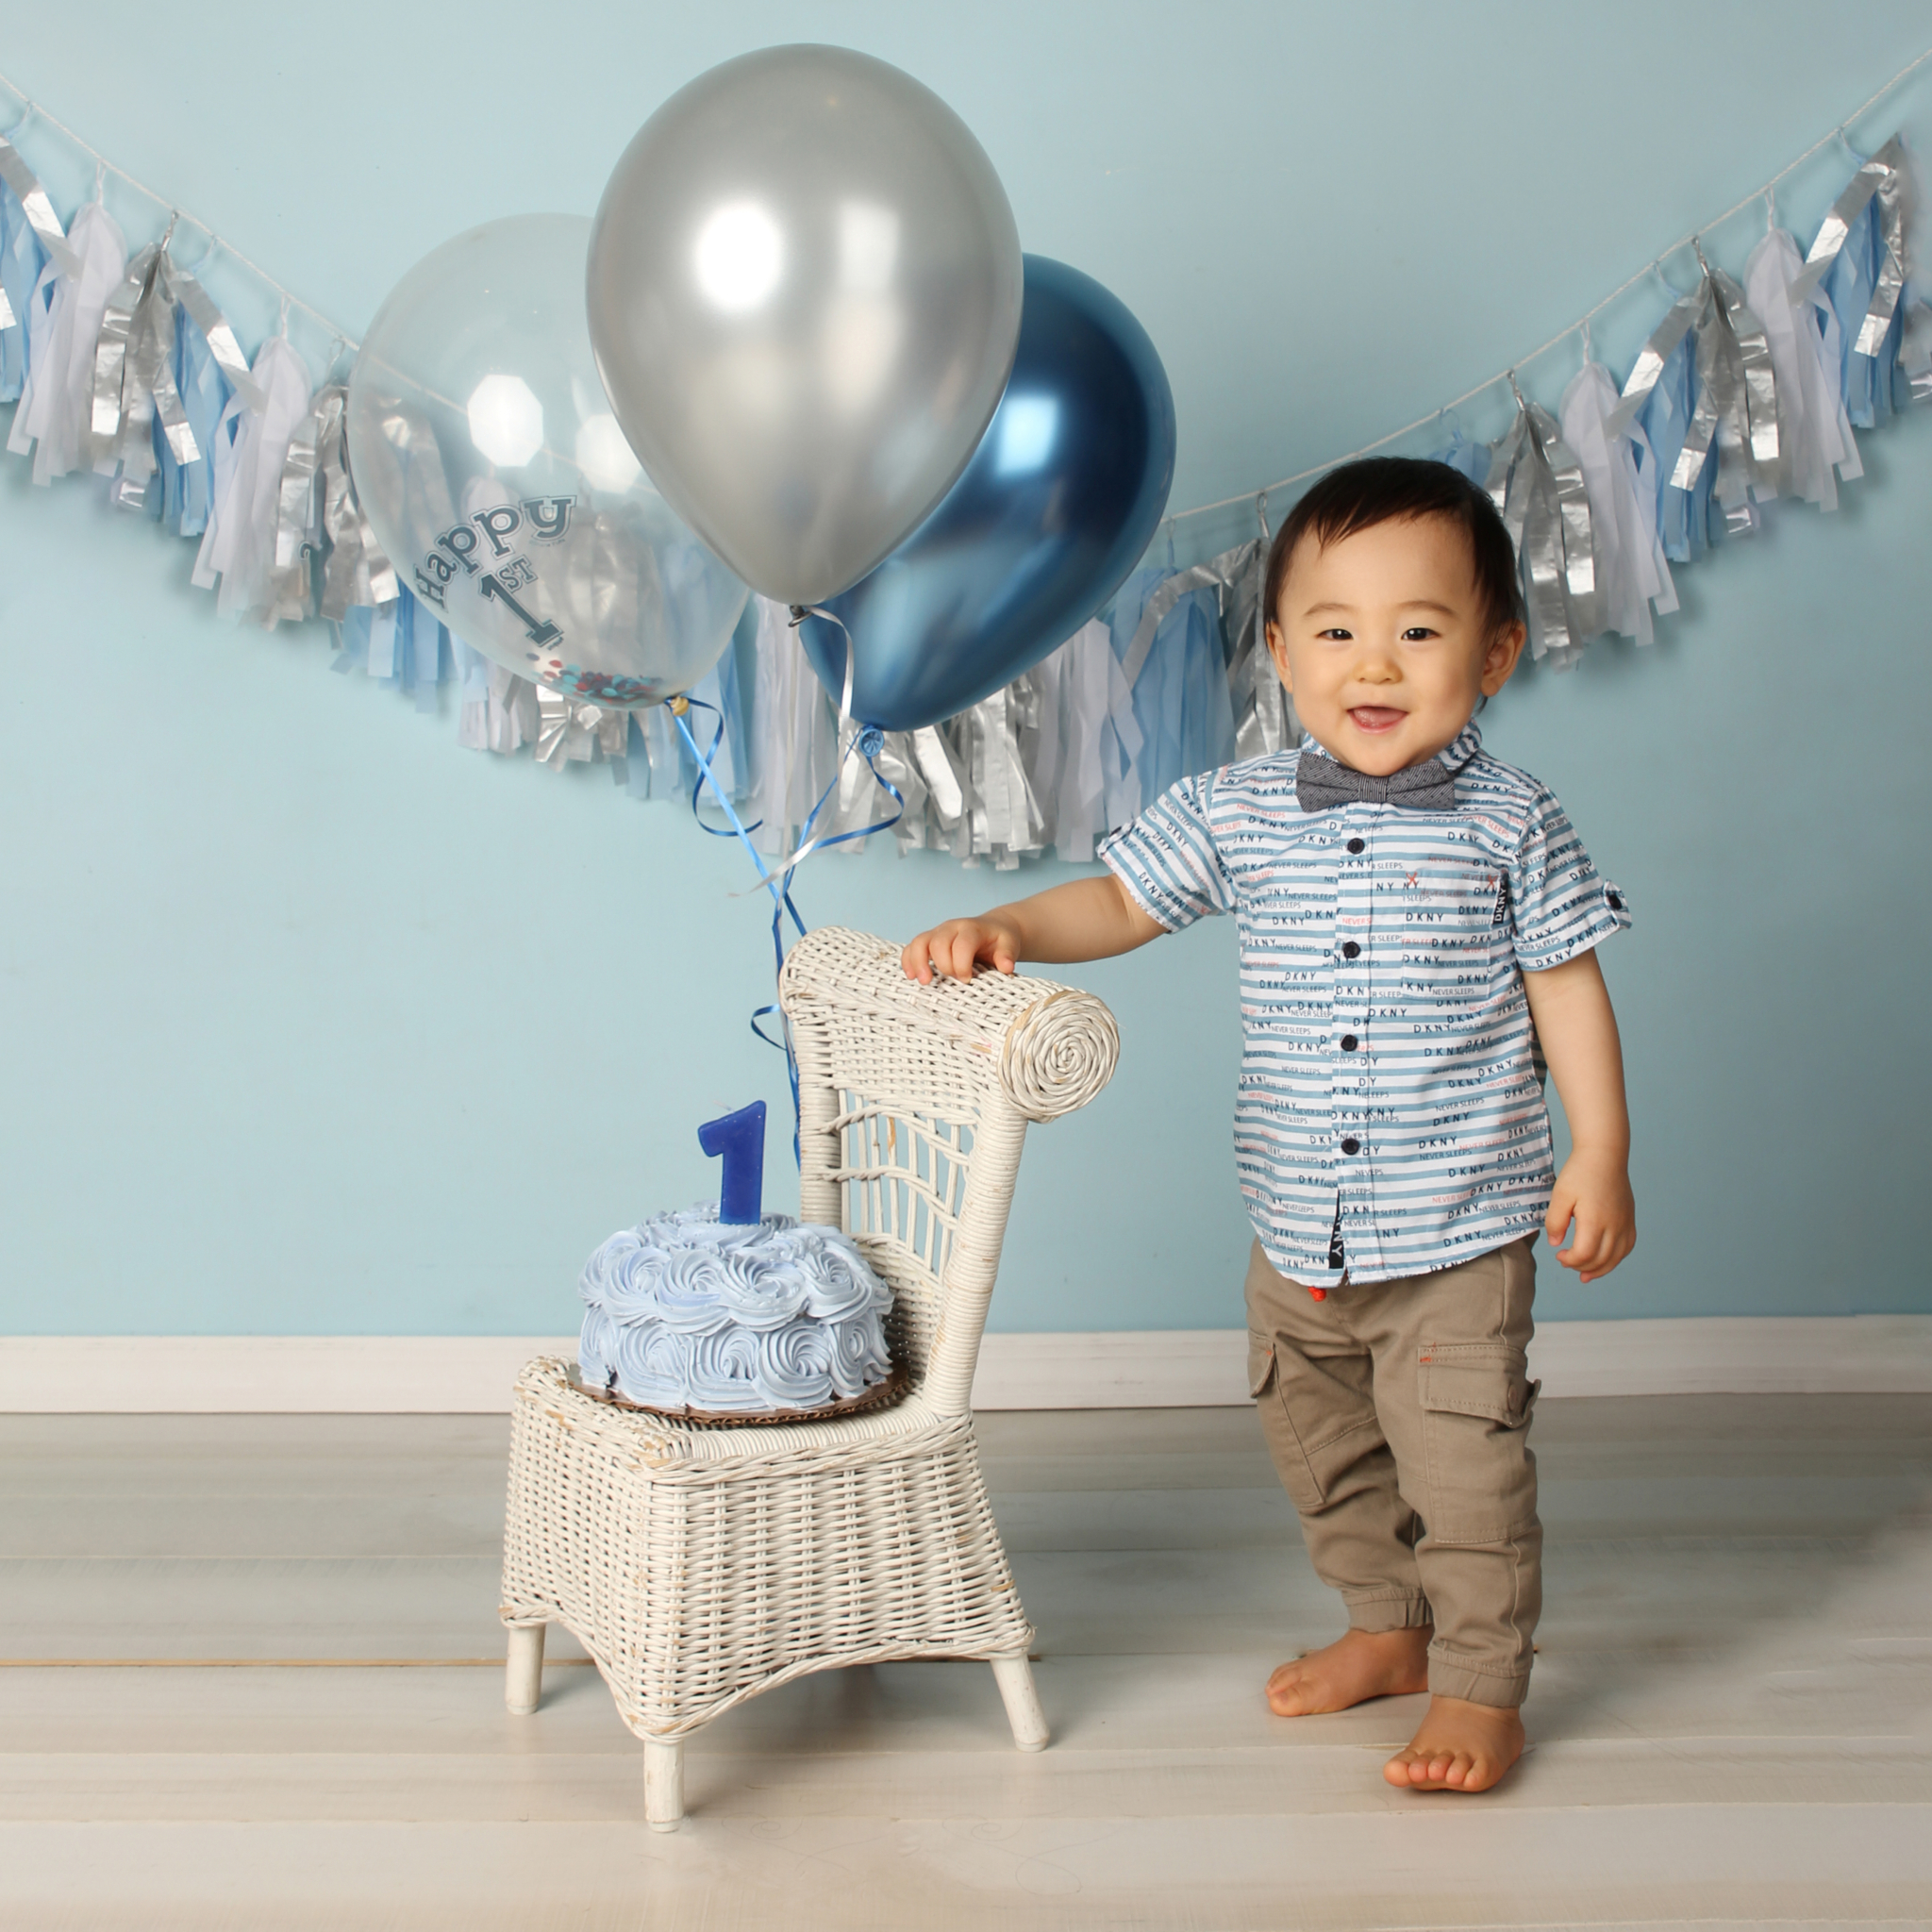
(1417, 923)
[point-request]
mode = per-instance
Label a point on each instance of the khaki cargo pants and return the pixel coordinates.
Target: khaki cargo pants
(1398, 1416)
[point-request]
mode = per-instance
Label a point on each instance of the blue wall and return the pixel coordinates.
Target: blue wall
(314, 1023)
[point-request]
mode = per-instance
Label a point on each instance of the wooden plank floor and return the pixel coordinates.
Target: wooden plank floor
(1732, 1714)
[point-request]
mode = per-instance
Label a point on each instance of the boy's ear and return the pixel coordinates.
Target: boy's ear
(1277, 649)
(1501, 657)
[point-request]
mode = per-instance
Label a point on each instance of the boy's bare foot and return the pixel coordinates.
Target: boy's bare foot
(1460, 1747)
(1363, 1664)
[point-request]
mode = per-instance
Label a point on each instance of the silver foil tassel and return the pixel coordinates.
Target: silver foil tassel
(1890, 286)
(934, 759)
(298, 523)
(359, 569)
(40, 212)
(1830, 239)
(157, 366)
(1537, 482)
(1737, 400)
(111, 353)
(1915, 351)
(221, 340)
(1649, 366)
(147, 386)
(569, 732)
(1003, 821)
(897, 763)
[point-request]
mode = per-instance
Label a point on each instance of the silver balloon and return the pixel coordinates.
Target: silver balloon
(803, 297)
(500, 484)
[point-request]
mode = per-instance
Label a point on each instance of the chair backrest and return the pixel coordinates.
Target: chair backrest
(913, 1107)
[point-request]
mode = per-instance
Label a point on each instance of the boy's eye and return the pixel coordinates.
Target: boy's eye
(1334, 632)
(1416, 633)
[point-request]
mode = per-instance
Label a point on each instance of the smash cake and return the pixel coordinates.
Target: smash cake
(702, 1312)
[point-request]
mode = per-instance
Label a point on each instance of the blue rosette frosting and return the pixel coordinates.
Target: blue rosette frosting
(686, 1311)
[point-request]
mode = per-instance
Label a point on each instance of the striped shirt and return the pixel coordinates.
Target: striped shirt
(1389, 1071)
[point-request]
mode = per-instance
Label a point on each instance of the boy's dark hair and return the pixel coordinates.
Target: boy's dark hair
(1386, 489)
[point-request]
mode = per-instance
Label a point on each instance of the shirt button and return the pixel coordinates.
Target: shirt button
(1614, 902)
(1349, 949)
(1348, 1042)
(1351, 1145)
(1354, 844)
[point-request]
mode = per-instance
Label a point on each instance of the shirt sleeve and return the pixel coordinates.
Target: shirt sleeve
(1168, 860)
(1560, 905)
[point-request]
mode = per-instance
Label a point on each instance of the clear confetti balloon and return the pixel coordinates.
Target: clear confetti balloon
(500, 484)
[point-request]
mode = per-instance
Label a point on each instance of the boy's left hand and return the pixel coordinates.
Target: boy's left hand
(1594, 1191)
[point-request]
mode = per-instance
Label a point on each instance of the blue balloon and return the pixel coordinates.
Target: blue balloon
(1063, 495)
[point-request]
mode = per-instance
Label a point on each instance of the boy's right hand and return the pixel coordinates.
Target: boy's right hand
(955, 947)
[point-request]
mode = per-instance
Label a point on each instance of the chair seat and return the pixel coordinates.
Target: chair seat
(664, 1445)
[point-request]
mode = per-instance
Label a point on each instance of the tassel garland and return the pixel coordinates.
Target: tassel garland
(1742, 393)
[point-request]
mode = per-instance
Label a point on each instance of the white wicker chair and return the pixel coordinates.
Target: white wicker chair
(701, 1565)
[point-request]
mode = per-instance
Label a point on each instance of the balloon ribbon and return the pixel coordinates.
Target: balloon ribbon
(868, 741)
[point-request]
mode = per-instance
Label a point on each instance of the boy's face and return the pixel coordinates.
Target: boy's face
(1383, 642)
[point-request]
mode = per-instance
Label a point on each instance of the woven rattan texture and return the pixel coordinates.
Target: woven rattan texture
(701, 1566)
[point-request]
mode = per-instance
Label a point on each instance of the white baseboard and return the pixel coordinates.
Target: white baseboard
(1699, 1355)
(1177, 1368)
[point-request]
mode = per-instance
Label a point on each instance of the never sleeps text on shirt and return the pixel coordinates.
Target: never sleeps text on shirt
(1388, 1065)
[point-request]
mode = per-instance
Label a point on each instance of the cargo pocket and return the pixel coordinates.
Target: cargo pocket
(1476, 1399)
(1317, 1415)
(1261, 1364)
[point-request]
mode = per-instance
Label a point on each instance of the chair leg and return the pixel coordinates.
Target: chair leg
(523, 1687)
(663, 1783)
(1014, 1675)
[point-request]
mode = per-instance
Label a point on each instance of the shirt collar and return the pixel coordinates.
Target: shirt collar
(1462, 747)
(1456, 753)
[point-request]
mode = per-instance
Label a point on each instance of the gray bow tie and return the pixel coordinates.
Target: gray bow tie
(1321, 785)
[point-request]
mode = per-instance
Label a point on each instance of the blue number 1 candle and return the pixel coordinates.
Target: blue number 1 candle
(741, 1139)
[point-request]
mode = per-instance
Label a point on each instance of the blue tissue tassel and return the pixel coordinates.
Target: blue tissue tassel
(187, 489)
(29, 232)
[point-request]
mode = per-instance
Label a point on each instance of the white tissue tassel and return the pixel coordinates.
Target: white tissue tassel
(251, 448)
(63, 328)
(1807, 352)
(1632, 575)
(1100, 742)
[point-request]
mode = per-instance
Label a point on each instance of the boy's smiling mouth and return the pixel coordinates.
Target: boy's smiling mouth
(1375, 718)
